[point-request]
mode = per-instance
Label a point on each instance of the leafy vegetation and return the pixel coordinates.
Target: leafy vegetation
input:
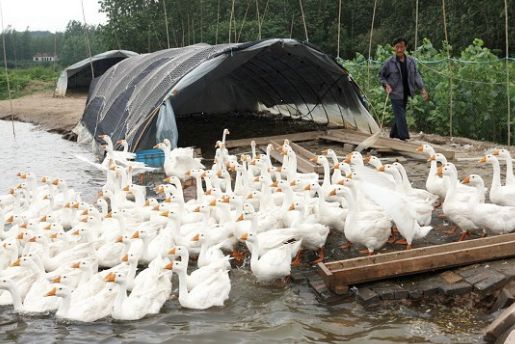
(478, 86)
(479, 101)
(28, 80)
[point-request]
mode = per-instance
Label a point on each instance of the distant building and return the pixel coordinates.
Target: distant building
(44, 57)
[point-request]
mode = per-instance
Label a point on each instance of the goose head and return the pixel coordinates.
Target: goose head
(427, 149)
(59, 291)
(502, 153)
(474, 180)
(354, 158)
(180, 251)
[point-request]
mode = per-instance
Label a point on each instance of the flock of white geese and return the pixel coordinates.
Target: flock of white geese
(116, 258)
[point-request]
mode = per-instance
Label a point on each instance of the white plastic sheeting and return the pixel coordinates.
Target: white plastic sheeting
(62, 82)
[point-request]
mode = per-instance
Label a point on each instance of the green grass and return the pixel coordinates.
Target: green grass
(28, 80)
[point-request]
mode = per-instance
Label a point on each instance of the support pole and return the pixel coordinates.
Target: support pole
(304, 21)
(508, 98)
(370, 45)
(166, 25)
(449, 69)
(339, 23)
(7, 72)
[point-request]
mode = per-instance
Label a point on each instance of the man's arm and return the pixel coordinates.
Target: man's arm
(419, 83)
(383, 74)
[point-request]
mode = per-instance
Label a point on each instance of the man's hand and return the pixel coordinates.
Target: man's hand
(425, 95)
(388, 88)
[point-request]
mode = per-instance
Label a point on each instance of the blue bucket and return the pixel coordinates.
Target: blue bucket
(151, 157)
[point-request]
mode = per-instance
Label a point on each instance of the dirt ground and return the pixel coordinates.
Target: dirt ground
(55, 114)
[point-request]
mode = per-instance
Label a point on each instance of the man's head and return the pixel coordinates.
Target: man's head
(400, 45)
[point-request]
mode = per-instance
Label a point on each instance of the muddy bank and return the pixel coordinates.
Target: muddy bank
(42, 109)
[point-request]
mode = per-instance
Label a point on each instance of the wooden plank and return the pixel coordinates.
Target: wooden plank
(302, 165)
(305, 136)
(306, 154)
(393, 256)
(390, 143)
(366, 269)
(500, 325)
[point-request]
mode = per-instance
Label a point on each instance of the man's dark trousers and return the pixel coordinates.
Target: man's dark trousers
(400, 126)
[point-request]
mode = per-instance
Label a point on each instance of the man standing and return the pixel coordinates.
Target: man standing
(400, 79)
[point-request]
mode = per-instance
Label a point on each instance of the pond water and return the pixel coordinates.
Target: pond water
(254, 313)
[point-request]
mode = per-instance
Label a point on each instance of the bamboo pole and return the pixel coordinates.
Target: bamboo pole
(339, 23)
(166, 25)
(508, 99)
(416, 25)
(370, 45)
(230, 20)
(88, 45)
(449, 68)
(7, 72)
(304, 21)
(258, 20)
(217, 21)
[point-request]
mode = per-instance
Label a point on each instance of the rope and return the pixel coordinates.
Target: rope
(449, 67)
(370, 45)
(304, 21)
(88, 46)
(338, 39)
(416, 25)
(7, 72)
(166, 25)
(507, 71)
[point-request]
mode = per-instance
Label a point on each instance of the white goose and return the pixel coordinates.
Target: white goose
(505, 154)
(274, 263)
(453, 207)
(502, 195)
(214, 291)
(493, 218)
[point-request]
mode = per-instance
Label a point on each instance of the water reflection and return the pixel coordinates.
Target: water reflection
(254, 313)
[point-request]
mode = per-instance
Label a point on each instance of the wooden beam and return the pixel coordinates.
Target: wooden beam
(303, 165)
(305, 154)
(387, 142)
(305, 136)
(366, 269)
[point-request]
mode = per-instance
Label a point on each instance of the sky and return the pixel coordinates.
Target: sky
(48, 15)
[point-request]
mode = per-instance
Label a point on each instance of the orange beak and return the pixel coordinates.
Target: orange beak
(196, 237)
(75, 265)
(16, 263)
(381, 168)
(244, 237)
(420, 148)
(52, 292)
(483, 160)
(111, 277)
(169, 266)
(439, 171)
(56, 280)
(333, 192)
(240, 218)
(135, 235)
(292, 207)
(125, 258)
(466, 180)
